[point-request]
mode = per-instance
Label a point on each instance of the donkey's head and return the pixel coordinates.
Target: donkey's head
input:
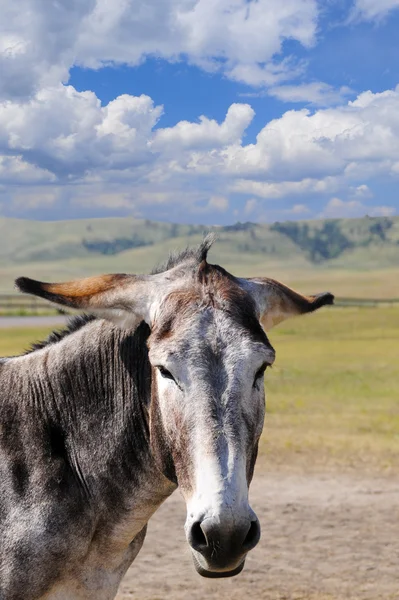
(209, 351)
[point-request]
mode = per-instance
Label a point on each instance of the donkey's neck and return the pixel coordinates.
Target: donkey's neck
(93, 391)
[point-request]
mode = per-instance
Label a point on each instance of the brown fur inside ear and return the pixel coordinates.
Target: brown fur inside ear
(76, 294)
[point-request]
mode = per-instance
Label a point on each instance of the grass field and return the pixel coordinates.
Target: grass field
(333, 393)
(15, 341)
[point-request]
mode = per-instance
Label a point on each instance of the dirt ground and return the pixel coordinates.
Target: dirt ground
(330, 537)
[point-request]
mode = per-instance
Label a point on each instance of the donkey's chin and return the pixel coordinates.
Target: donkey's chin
(215, 572)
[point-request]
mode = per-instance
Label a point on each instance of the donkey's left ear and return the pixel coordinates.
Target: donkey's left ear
(276, 302)
(122, 299)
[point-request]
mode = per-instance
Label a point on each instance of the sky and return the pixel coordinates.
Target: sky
(199, 111)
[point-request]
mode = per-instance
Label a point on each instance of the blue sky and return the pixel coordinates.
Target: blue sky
(199, 111)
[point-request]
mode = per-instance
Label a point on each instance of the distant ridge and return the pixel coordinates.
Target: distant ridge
(59, 250)
(23, 241)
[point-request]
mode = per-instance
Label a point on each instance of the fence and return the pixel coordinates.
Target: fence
(18, 304)
(365, 301)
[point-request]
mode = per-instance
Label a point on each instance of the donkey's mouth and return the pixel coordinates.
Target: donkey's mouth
(216, 574)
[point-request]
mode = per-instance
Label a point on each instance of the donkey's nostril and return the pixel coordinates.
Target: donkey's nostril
(253, 536)
(197, 536)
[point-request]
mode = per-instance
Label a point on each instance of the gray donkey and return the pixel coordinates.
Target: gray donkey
(161, 386)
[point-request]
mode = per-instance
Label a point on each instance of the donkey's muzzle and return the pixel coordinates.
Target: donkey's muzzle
(219, 549)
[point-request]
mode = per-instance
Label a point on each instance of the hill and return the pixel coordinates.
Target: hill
(63, 249)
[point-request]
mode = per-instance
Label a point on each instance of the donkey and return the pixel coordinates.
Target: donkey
(160, 386)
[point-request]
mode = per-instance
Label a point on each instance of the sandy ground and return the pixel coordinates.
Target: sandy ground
(323, 538)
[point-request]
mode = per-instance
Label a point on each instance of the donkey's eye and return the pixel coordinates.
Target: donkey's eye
(165, 373)
(260, 372)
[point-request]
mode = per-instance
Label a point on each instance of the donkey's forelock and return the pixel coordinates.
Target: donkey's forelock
(210, 287)
(188, 255)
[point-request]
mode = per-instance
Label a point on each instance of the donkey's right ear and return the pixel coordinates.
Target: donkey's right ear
(122, 299)
(276, 302)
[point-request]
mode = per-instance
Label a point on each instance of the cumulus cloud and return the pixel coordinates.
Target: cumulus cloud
(301, 153)
(299, 209)
(207, 134)
(37, 43)
(218, 203)
(362, 191)
(117, 154)
(373, 9)
(302, 149)
(13, 169)
(69, 133)
(224, 35)
(42, 40)
(316, 93)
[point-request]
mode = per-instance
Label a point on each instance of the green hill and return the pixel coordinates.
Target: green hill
(63, 249)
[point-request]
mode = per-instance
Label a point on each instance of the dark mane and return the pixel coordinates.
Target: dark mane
(195, 255)
(73, 324)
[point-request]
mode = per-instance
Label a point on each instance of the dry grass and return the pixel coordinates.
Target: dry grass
(16, 340)
(333, 392)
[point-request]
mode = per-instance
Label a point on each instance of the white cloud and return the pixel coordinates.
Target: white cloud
(61, 137)
(299, 209)
(381, 211)
(259, 210)
(337, 208)
(362, 191)
(269, 74)
(282, 189)
(69, 133)
(316, 93)
(42, 40)
(37, 43)
(207, 133)
(218, 35)
(13, 169)
(304, 150)
(373, 9)
(218, 203)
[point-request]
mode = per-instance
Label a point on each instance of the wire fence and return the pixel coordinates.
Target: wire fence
(18, 304)
(365, 301)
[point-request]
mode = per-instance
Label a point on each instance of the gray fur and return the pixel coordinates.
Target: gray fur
(75, 461)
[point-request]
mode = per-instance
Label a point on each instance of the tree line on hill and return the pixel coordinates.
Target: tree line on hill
(329, 241)
(320, 241)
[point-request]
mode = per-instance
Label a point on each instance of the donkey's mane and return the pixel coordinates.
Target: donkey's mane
(73, 324)
(193, 255)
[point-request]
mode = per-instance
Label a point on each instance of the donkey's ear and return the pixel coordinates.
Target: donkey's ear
(277, 302)
(122, 299)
